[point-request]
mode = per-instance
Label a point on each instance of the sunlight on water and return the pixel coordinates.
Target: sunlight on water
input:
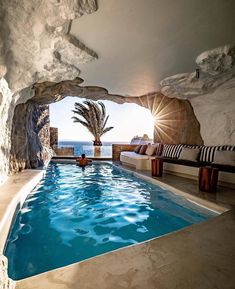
(75, 214)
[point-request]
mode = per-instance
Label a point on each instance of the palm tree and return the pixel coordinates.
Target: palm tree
(94, 118)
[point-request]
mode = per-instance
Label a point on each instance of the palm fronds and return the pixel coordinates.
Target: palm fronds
(93, 116)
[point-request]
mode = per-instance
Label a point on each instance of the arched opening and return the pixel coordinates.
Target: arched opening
(129, 120)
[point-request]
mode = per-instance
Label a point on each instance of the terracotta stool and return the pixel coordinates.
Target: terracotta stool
(208, 178)
(157, 167)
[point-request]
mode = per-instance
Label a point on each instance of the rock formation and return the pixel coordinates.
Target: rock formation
(211, 96)
(215, 66)
(175, 119)
(5, 282)
(30, 137)
(40, 65)
(35, 46)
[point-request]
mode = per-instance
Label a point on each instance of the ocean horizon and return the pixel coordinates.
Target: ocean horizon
(86, 147)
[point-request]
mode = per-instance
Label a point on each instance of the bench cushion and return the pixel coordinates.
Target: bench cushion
(134, 155)
(207, 153)
(225, 158)
(172, 150)
(189, 154)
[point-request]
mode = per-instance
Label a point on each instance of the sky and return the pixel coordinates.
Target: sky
(127, 119)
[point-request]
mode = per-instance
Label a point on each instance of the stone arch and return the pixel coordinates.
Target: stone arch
(175, 121)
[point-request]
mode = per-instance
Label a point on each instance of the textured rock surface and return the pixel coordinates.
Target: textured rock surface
(212, 95)
(35, 46)
(30, 139)
(41, 64)
(53, 136)
(216, 113)
(216, 66)
(6, 114)
(175, 121)
(44, 52)
(5, 282)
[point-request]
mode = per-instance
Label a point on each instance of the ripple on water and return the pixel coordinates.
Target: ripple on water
(73, 215)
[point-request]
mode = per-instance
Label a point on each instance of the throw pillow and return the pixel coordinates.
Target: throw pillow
(225, 158)
(159, 148)
(143, 149)
(137, 149)
(151, 150)
(189, 154)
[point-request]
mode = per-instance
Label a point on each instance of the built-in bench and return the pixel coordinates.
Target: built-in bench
(140, 162)
(209, 171)
(172, 154)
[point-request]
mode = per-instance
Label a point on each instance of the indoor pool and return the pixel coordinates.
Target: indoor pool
(74, 214)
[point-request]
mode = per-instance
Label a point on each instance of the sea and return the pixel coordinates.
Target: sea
(86, 147)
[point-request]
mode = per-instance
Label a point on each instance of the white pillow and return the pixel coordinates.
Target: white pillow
(151, 150)
(189, 154)
(225, 158)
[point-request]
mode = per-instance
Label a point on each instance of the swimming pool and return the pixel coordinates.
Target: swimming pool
(74, 214)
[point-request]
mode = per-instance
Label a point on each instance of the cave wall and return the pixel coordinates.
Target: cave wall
(30, 137)
(40, 65)
(216, 113)
(35, 46)
(6, 115)
(212, 95)
(174, 119)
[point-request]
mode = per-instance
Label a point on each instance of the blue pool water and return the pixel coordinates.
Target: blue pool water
(75, 214)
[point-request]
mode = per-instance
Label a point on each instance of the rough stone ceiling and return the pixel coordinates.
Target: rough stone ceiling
(141, 42)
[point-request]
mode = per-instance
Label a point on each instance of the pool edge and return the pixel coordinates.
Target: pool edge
(160, 252)
(12, 195)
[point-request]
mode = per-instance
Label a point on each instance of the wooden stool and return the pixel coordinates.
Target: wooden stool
(157, 167)
(208, 178)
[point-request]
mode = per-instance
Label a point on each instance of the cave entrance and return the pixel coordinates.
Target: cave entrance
(130, 121)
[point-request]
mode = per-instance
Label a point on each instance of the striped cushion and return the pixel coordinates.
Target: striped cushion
(172, 151)
(228, 148)
(208, 153)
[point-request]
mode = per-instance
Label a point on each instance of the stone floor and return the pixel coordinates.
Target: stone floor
(225, 195)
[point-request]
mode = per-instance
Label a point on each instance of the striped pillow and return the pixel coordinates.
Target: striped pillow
(228, 148)
(172, 151)
(208, 153)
